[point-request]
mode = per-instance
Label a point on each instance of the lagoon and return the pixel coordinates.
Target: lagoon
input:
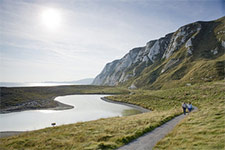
(86, 108)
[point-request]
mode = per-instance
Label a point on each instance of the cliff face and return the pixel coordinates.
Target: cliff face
(144, 65)
(120, 70)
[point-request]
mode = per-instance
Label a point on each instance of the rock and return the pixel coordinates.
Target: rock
(180, 37)
(170, 64)
(188, 84)
(223, 44)
(118, 70)
(214, 51)
(161, 54)
(132, 87)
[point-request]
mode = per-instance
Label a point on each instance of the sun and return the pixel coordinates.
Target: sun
(51, 18)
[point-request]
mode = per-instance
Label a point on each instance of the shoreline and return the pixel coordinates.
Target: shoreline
(59, 106)
(62, 106)
(143, 110)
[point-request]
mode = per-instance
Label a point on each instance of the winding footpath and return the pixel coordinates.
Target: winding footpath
(149, 140)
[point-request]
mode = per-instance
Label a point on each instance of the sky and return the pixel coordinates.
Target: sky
(68, 40)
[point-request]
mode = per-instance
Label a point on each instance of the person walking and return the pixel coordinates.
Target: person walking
(184, 106)
(189, 106)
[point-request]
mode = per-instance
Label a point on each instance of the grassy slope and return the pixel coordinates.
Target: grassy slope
(100, 134)
(204, 129)
(199, 127)
(190, 69)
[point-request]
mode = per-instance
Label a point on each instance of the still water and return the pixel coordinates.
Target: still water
(33, 84)
(86, 108)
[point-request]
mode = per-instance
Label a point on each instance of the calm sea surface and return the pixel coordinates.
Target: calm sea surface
(86, 108)
(30, 84)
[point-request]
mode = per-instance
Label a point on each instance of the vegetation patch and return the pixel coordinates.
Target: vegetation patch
(203, 129)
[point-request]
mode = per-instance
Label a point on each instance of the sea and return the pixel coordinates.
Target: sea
(33, 84)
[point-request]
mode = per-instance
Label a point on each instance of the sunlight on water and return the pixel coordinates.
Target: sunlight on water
(30, 84)
(48, 111)
(87, 107)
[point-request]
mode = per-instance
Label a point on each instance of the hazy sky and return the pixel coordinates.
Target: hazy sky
(65, 40)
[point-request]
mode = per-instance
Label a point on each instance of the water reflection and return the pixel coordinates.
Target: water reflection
(87, 107)
(47, 111)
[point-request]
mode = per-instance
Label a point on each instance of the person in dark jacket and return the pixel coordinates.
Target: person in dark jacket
(184, 106)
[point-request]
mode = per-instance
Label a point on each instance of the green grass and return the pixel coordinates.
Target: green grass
(203, 129)
(101, 134)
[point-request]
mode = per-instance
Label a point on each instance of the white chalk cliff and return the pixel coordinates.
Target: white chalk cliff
(186, 38)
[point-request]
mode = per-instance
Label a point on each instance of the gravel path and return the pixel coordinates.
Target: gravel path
(149, 140)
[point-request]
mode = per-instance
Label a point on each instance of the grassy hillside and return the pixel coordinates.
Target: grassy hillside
(182, 68)
(196, 131)
(186, 72)
(202, 130)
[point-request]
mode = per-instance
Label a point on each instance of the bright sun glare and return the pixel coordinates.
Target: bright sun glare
(51, 18)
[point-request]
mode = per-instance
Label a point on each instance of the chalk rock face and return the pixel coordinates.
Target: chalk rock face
(108, 69)
(113, 73)
(156, 51)
(182, 35)
(166, 52)
(132, 87)
(223, 44)
(120, 70)
(170, 64)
